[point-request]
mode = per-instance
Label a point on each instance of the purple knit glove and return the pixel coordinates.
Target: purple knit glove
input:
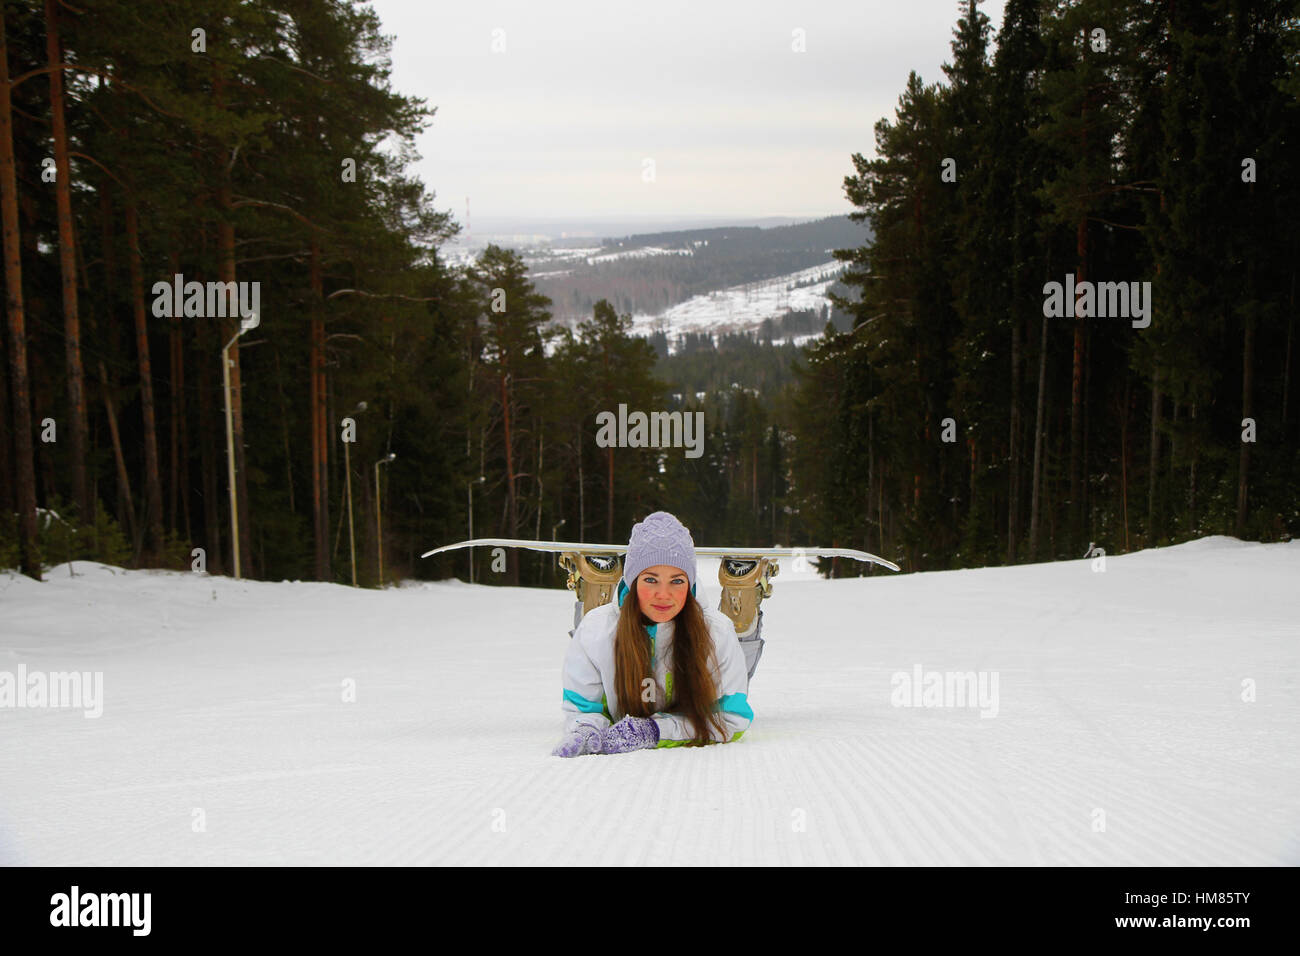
(583, 739)
(630, 733)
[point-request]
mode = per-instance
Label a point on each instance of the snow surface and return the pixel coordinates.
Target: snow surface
(1119, 692)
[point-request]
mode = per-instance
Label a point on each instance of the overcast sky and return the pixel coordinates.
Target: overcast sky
(736, 122)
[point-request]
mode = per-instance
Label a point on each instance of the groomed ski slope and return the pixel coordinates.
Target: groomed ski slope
(1119, 694)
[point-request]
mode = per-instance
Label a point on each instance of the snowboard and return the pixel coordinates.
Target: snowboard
(738, 552)
(744, 573)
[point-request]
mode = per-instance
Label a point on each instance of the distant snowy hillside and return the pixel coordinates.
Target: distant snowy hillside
(753, 275)
(743, 308)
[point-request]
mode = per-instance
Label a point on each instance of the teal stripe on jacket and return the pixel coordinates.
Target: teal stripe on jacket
(736, 704)
(585, 705)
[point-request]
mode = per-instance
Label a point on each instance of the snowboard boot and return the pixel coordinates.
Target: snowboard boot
(593, 578)
(745, 582)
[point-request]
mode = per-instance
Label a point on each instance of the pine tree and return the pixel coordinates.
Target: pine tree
(29, 561)
(513, 315)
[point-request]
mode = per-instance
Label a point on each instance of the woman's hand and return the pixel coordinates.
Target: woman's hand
(581, 740)
(630, 733)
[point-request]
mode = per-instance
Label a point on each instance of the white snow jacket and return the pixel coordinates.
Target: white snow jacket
(588, 676)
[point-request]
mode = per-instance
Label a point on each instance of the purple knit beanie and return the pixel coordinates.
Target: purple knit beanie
(659, 539)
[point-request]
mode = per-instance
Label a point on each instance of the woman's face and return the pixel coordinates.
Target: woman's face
(661, 591)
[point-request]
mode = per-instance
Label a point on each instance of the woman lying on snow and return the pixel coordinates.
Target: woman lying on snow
(655, 646)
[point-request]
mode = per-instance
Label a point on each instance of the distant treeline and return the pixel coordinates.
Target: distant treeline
(705, 363)
(975, 414)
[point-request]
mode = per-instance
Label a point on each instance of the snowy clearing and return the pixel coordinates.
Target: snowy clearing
(1121, 736)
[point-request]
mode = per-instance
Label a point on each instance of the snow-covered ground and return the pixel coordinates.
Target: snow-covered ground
(1125, 732)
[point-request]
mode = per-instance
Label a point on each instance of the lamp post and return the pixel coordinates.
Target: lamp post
(379, 514)
(469, 487)
(245, 324)
(556, 525)
(347, 467)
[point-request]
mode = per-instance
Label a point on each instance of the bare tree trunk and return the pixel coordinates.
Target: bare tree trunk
(609, 498)
(1191, 483)
(174, 402)
(178, 514)
(582, 501)
(1247, 403)
(319, 423)
(209, 461)
(68, 271)
(25, 477)
(43, 401)
(123, 476)
(1075, 524)
(185, 436)
(537, 530)
(1123, 455)
(1286, 365)
(970, 505)
(1013, 455)
(774, 483)
(512, 574)
(1036, 479)
(1175, 449)
(871, 480)
(6, 437)
(1153, 471)
(284, 429)
(153, 516)
(880, 514)
(109, 250)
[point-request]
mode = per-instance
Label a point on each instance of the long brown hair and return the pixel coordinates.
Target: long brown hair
(694, 692)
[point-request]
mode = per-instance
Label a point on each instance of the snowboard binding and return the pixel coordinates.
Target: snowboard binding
(593, 578)
(745, 582)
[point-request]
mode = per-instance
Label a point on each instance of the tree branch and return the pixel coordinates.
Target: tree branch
(106, 170)
(376, 295)
(300, 254)
(1117, 225)
(93, 72)
(295, 68)
(245, 201)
